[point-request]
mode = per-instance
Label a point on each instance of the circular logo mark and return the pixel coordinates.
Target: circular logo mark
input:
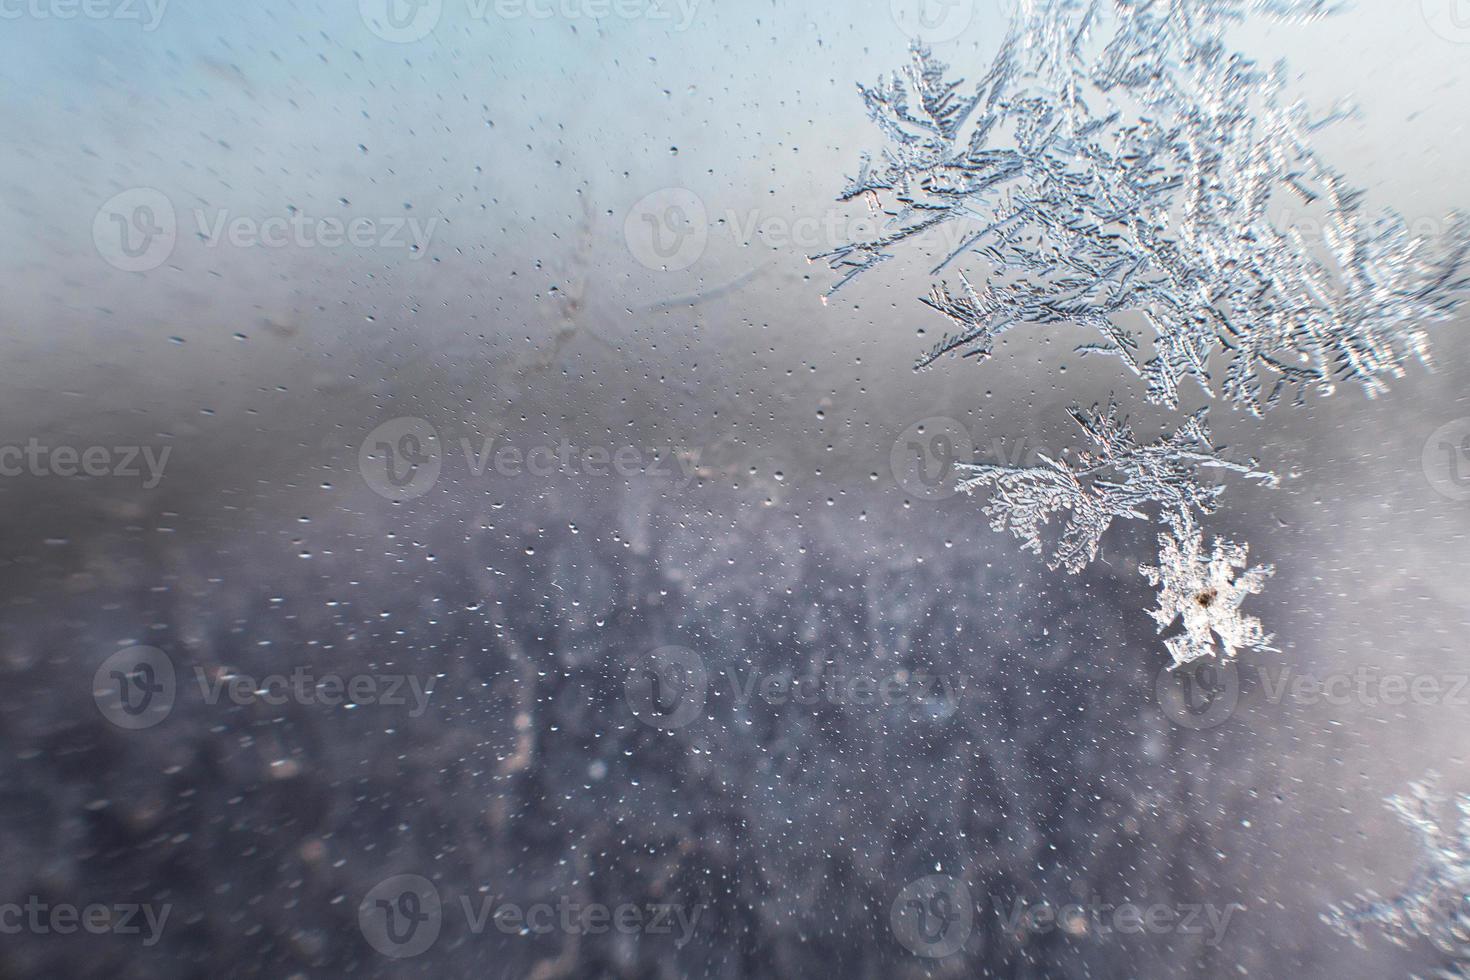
(401, 21)
(933, 21)
(1446, 460)
(667, 230)
(1198, 695)
(1450, 19)
(933, 916)
(667, 689)
(135, 688)
(935, 708)
(400, 459)
(401, 917)
(135, 231)
(923, 457)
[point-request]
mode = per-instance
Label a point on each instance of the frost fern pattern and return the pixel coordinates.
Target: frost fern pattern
(1435, 905)
(1119, 168)
(1120, 478)
(1157, 207)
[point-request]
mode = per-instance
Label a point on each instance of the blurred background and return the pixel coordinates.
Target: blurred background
(260, 259)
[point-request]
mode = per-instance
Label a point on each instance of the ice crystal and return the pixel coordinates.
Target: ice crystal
(1435, 905)
(1118, 164)
(1120, 168)
(1118, 477)
(1204, 594)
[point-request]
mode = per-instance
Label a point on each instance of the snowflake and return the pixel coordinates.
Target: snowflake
(1436, 903)
(1204, 593)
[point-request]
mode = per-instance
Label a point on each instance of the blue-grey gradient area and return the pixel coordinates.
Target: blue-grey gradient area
(538, 590)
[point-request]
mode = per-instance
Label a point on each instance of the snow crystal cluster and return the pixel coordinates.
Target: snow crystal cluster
(1121, 169)
(1435, 905)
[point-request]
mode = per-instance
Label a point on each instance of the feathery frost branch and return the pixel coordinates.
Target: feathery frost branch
(1119, 162)
(1435, 905)
(1120, 168)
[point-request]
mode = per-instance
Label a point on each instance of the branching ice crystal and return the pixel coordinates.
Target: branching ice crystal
(1119, 166)
(1119, 477)
(1436, 903)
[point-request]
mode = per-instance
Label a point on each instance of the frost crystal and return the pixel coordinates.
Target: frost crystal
(1119, 165)
(1118, 478)
(1205, 593)
(1436, 903)
(1120, 168)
